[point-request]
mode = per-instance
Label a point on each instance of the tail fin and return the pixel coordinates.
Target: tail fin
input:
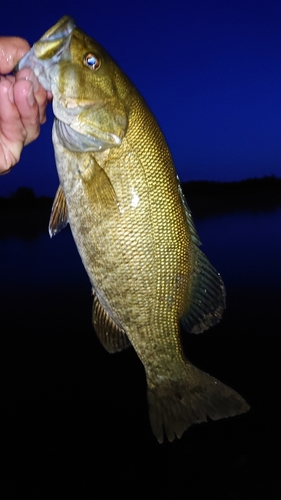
(175, 405)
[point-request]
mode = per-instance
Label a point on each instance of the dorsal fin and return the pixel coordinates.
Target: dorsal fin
(110, 334)
(59, 213)
(207, 296)
(206, 299)
(194, 235)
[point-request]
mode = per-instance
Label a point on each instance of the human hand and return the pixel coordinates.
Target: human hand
(23, 103)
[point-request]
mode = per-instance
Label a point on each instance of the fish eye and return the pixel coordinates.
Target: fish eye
(92, 61)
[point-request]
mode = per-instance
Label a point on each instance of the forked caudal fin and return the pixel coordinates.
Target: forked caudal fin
(175, 405)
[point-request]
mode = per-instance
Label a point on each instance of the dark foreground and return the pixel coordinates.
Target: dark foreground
(76, 420)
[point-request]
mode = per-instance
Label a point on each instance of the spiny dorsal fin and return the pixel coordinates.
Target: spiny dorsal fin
(194, 235)
(111, 335)
(59, 213)
(207, 296)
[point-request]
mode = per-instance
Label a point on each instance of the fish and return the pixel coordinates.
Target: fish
(121, 195)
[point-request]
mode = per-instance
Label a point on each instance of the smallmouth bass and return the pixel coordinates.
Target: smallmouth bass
(133, 229)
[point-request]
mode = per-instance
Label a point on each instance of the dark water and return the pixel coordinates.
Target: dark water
(75, 417)
(245, 247)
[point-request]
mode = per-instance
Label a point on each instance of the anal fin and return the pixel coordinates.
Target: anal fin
(111, 335)
(59, 213)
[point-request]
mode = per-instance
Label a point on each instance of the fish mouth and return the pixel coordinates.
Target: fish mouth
(43, 69)
(62, 29)
(29, 60)
(48, 51)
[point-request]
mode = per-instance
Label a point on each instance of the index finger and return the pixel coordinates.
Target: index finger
(12, 48)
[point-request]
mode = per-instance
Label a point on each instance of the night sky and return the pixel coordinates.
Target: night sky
(209, 69)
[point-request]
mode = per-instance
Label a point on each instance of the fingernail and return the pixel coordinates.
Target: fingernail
(34, 81)
(30, 97)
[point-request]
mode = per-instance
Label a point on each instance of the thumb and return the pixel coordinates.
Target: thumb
(12, 48)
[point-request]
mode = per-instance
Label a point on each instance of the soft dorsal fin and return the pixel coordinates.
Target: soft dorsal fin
(206, 299)
(59, 213)
(110, 334)
(207, 296)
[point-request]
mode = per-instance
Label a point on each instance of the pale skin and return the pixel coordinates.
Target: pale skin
(23, 103)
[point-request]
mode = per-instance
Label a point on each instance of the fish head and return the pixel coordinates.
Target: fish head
(90, 92)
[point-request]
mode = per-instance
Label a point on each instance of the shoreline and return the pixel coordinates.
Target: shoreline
(24, 215)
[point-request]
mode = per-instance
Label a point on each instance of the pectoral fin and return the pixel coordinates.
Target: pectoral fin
(104, 188)
(59, 213)
(97, 185)
(110, 334)
(206, 298)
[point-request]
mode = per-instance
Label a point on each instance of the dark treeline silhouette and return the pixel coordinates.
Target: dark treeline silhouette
(208, 198)
(24, 199)
(25, 215)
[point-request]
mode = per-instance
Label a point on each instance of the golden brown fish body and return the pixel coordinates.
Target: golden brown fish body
(120, 194)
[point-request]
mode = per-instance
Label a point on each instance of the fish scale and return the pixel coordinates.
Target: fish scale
(121, 196)
(143, 225)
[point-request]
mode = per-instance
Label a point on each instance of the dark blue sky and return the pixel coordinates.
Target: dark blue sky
(209, 69)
